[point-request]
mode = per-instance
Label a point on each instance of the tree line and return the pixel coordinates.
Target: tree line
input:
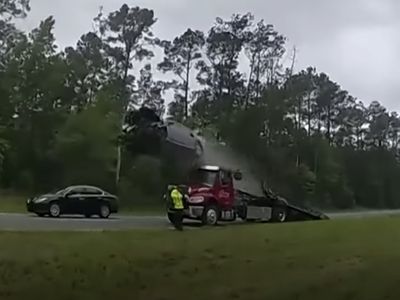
(62, 110)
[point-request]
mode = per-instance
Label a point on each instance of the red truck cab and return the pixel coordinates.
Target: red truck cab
(211, 195)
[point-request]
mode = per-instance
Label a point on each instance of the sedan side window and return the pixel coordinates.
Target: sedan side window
(93, 191)
(70, 192)
(75, 191)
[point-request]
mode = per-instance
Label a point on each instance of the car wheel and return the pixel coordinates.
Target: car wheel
(54, 210)
(88, 216)
(210, 216)
(104, 211)
(279, 214)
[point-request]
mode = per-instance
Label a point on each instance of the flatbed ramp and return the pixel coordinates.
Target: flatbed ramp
(270, 199)
(297, 213)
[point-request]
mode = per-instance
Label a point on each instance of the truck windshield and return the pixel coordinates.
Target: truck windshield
(203, 176)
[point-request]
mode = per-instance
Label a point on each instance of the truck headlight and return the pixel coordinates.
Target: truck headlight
(196, 199)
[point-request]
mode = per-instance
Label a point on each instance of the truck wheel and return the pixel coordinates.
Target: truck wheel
(279, 214)
(242, 213)
(210, 216)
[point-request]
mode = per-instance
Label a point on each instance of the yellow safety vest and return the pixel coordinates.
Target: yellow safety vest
(177, 199)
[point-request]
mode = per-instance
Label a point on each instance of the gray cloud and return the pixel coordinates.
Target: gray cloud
(355, 42)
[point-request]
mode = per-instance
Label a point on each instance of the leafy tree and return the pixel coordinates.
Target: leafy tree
(35, 105)
(379, 121)
(86, 153)
(180, 57)
(301, 93)
(14, 8)
(225, 42)
(12, 43)
(87, 67)
(329, 94)
(264, 50)
(150, 92)
(394, 133)
(128, 35)
(352, 121)
(10, 9)
(4, 145)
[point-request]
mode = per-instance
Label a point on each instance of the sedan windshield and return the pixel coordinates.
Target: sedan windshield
(60, 192)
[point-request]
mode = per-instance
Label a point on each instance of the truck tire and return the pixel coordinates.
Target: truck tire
(242, 212)
(210, 216)
(279, 214)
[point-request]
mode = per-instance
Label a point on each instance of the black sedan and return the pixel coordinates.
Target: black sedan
(85, 200)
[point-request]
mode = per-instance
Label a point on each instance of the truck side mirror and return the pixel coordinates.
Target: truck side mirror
(237, 175)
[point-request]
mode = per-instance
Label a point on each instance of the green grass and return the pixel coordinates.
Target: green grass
(12, 203)
(347, 259)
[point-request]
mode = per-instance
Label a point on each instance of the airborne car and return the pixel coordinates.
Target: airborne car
(146, 133)
(82, 200)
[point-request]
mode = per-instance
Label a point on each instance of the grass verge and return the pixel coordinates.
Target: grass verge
(346, 259)
(11, 203)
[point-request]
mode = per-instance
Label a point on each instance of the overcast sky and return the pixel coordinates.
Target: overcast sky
(356, 42)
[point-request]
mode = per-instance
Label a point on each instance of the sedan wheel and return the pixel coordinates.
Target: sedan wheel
(104, 211)
(55, 210)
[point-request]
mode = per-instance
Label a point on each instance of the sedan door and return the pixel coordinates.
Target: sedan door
(91, 203)
(74, 201)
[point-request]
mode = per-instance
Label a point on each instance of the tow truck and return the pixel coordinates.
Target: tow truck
(211, 197)
(210, 194)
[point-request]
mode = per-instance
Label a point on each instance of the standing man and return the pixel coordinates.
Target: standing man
(176, 207)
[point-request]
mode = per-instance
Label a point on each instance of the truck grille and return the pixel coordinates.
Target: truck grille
(196, 211)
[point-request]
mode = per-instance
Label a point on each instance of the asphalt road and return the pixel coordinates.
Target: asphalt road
(28, 222)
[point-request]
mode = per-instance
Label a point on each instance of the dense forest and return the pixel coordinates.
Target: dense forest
(62, 110)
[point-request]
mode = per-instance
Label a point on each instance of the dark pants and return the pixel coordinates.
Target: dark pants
(178, 219)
